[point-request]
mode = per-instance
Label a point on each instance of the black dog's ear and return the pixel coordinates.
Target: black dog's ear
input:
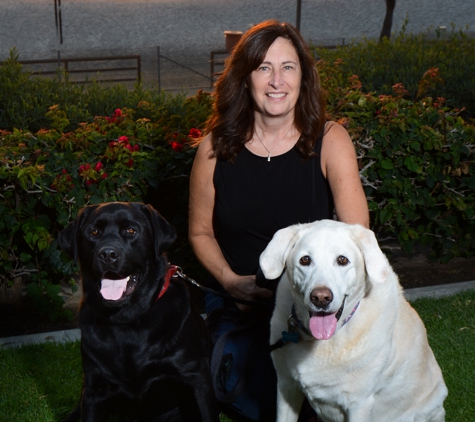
(67, 238)
(164, 232)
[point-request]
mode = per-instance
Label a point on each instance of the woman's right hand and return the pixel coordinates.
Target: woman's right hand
(244, 287)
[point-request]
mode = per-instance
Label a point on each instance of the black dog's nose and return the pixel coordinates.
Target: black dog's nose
(321, 297)
(108, 255)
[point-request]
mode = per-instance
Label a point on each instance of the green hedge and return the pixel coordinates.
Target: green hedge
(137, 153)
(405, 58)
(64, 146)
(25, 100)
(417, 161)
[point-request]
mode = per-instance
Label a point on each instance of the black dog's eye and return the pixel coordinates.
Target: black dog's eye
(94, 232)
(305, 261)
(342, 260)
(130, 230)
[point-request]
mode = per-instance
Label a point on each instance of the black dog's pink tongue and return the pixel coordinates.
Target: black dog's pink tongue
(113, 289)
(323, 327)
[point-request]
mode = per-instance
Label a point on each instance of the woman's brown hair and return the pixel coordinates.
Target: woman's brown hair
(231, 124)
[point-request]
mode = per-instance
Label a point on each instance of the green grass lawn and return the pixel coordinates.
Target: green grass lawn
(43, 382)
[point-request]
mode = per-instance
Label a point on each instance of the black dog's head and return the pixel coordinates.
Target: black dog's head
(120, 248)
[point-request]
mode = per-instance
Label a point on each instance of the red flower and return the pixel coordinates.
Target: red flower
(399, 89)
(99, 166)
(84, 167)
(118, 112)
(136, 147)
(177, 146)
(194, 133)
(355, 82)
(129, 163)
(123, 140)
(104, 176)
(62, 182)
(440, 102)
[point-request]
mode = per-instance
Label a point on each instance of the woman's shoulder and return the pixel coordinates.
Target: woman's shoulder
(205, 147)
(337, 146)
(205, 160)
(333, 128)
(335, 134)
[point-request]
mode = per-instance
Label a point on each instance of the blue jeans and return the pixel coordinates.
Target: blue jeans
(245, 356)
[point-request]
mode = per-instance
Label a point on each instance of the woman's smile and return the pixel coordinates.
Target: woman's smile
(275, 84)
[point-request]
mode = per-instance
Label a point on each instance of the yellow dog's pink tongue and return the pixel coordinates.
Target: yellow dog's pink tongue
(113, 289)
(323, 327)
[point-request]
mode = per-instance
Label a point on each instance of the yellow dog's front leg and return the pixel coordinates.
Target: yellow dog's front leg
(289, 400)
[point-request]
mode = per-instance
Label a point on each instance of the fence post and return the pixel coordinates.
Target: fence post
(158, 60)
(59, 64)
(297, 19)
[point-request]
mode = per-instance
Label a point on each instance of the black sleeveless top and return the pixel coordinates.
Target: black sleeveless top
(256, 197)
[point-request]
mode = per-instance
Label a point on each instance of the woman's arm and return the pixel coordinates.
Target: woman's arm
(340, 167)
(201, 230)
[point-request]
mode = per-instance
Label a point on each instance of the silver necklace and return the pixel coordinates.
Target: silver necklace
(278, 143)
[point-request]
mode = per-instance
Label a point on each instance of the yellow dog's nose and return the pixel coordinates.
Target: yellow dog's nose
(321, 297)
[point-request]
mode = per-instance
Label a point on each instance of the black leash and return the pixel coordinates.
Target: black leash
(179, 273)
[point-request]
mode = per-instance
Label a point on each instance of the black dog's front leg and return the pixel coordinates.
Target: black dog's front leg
(204, 395)
(96, 396)
(91, 408)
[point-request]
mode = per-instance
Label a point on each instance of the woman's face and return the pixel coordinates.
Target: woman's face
(275, 84)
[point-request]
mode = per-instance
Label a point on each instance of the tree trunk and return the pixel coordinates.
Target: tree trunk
(388, 19)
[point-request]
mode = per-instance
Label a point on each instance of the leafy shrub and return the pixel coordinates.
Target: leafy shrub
(97, 144)
(25, 100)
(417, 161)
(405, 58)
(47, 176)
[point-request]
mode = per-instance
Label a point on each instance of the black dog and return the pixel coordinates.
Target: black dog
(145, 350)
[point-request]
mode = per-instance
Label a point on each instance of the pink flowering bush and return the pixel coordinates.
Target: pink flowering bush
(417, 161)
(416, 61)
(47, 176)
(415, 151)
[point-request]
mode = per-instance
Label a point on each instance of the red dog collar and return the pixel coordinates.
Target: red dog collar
(166, 280)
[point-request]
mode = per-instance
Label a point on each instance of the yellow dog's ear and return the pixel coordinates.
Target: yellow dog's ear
(376, 263)
(272, 260)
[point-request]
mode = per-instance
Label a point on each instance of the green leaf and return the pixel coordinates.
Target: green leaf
(25, 257)
(470, 182)
(416, 146)
(411, 163)
(373, 206)
(387, 164)
(384, 215)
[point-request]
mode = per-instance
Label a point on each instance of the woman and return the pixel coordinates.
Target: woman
(269, 159)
